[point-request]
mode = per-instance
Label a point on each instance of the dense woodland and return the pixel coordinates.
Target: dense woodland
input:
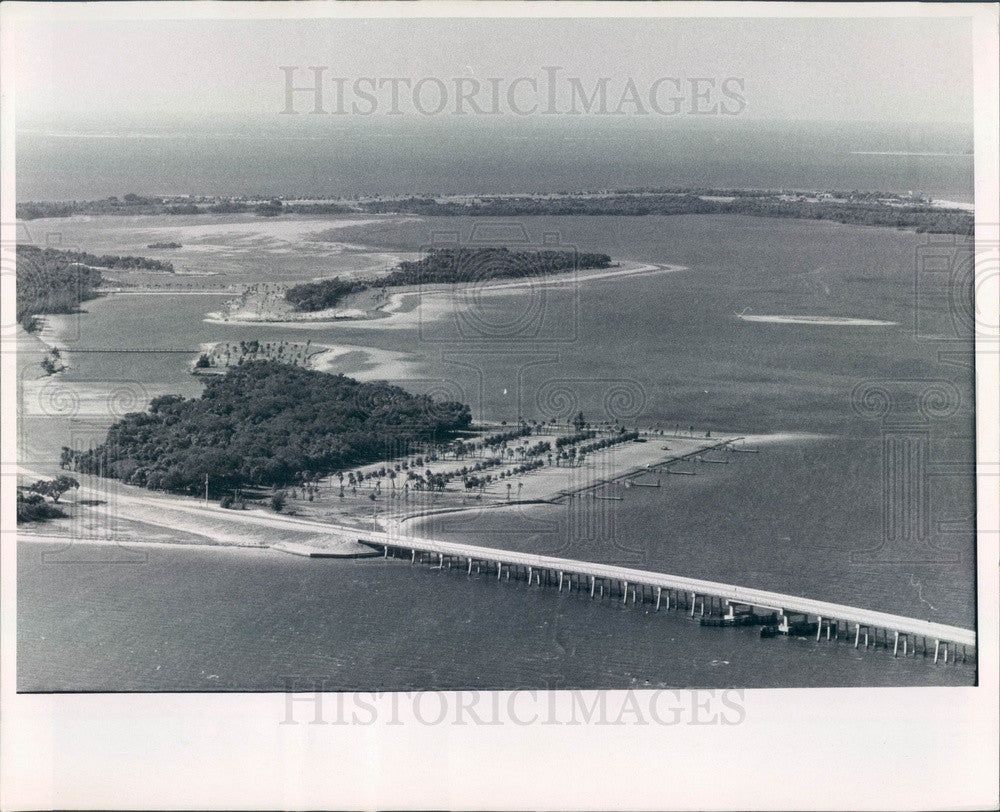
(51, 281)
(860, 209)
(868, 208)
(132, 204)
(112, 262)
(312, 296)
(448, 266)
(266, 423)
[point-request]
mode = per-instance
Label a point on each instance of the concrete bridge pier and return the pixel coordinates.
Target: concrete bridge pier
(714, 599)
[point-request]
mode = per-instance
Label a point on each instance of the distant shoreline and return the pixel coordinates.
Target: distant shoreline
(869, 208)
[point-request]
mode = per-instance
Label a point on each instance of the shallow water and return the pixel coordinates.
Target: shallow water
(229, 620)
(879, 514)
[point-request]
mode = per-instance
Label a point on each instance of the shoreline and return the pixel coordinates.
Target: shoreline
(359, 362)
(434, 300)
(195, 524)
(623, 472)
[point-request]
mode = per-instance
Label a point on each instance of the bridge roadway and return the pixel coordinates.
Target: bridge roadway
(784, 604)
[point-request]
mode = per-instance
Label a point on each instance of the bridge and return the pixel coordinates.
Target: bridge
(908, 635)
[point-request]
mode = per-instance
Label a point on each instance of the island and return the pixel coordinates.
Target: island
(448, 266)
(856, 207)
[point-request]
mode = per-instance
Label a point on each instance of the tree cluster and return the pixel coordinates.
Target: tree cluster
(573, 439)
(855, 208)
(49, 282)
(133, 204)
(451, 265)
(265, 423)
(31, 504)
(312, 296)
(448, 266)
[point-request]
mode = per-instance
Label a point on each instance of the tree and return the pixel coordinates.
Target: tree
(54, 487)
(579, 422)
(277, 502)
(32, 507)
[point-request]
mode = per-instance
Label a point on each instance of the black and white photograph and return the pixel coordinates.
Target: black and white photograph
(502, 365)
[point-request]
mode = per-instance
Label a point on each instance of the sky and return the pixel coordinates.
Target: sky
(194, 72)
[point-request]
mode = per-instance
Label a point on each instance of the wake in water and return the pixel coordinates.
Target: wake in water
(920, 592)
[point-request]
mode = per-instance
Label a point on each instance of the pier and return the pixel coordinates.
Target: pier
(732, 604)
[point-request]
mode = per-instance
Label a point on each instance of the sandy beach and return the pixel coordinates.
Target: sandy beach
(827, 321)
(107, 511)
(410, 306)
(609, 474)
(359, 362)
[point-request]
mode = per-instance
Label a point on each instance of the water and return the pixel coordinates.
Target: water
(237, 620)
(383, 156)
(805, 517)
